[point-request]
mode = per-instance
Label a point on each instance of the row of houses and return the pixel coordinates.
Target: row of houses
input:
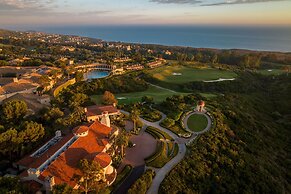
(159, 62)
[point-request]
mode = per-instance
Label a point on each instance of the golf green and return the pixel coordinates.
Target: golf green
(182, 74)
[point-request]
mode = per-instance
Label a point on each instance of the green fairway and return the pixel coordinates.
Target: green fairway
(208, 95)
(197, 122)
(159, 94)
(271, 71)
(180, 74)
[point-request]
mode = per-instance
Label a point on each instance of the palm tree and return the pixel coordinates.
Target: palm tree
(134, 116)
(122, 141)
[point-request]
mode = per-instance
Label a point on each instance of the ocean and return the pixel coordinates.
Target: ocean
(223, 37)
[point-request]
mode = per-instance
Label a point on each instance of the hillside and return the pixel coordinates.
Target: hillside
(247, 152)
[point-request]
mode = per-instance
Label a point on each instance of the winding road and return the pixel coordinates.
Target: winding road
(162, 172)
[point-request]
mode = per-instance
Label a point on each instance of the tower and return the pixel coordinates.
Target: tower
(105, 120)
(200, 106)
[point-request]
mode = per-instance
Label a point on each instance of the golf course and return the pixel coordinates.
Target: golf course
(182, 74)
(159, 94)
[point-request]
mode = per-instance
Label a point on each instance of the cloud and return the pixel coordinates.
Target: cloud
(177, 1)
(211, 2)
(233, 2)
(25, 4)
(97, 12)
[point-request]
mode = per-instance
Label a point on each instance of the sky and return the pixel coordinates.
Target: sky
(144, 12)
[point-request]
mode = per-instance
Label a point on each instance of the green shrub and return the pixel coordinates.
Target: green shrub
(143, 183)
(168, 122)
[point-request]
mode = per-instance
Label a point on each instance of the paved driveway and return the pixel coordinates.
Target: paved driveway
(145, 146)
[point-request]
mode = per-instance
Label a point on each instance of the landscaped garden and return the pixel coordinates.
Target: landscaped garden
(165, 151)
(182, 74)
(197, 122)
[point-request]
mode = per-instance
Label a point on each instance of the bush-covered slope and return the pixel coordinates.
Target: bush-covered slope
(248, 151)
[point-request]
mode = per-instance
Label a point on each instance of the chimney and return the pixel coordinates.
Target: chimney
(58, 133)
(15, 80)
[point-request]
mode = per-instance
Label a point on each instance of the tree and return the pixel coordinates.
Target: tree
(91, 177)
(62, 189)
(52, 114)
(14, 111)
(122, 141)
(79, 76)
(108, 98)
(287, 69)
(45, 81)
(134, 116)
(9, 142)
(11, 185)
(77, 100)
(147, 99)
(31, 132)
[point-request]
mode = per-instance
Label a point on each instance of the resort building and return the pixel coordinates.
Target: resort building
(134, 67)
(56, 162)
(159, 62)
(122, 60)
(96, 112)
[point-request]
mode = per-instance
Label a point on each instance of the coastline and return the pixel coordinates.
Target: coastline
(257, 39)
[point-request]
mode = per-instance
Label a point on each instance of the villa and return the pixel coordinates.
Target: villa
(56, 162)
(159, 62)
(96, 112)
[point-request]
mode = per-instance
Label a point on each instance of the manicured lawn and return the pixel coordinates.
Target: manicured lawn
(158, 94)
(197, 122)
(271, 71)
(188, 74)
(208, 95)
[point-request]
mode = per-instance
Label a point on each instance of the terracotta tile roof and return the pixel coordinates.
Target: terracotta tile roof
(98, 110)
(31, 100)
(18, 86)
(103, 159)
(35, 162)
(65, 166)
(80, 129)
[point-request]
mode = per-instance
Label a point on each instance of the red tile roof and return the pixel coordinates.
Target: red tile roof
(98, 110)
(80, 129)
(65, 166)
(35, 162)
(103, 159)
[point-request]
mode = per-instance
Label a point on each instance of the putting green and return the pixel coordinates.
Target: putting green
(197, 122)
(159, 95)
(271, 71)
(181, 74)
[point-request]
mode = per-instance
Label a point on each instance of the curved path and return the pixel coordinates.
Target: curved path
(198, 113)
(162, 172)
